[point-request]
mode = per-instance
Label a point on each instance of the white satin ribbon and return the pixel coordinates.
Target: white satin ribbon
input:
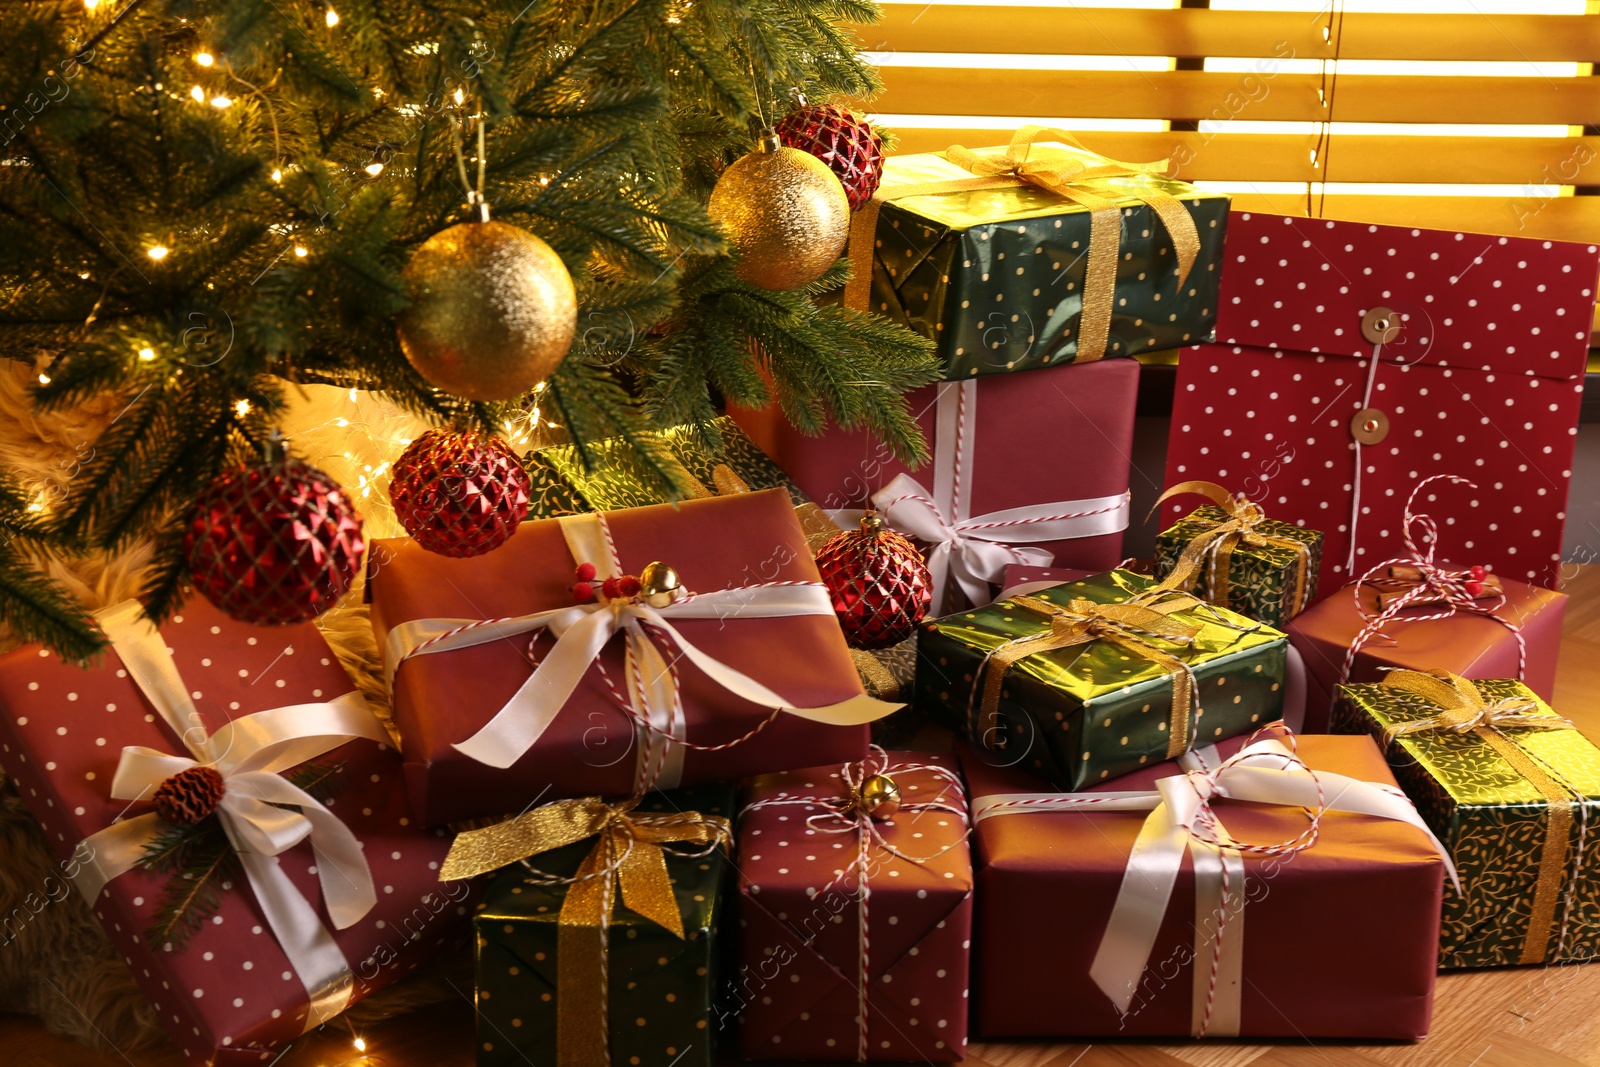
(974, 551)
(1181, 819)
(249, 753)
(583, 630)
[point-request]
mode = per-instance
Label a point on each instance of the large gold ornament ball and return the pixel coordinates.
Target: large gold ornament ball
(785, 212)
(492, 311)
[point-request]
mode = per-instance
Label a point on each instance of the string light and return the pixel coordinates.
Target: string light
(90, 5)
(277, 175)
(460, 96)
(301, 251)
(241, 408)
(147, 354)
(220, 102)
(205, 59)
(361, 1044)
(44, 379)
(332, 18)
(158, 253)
(199, 94)
(374, 168)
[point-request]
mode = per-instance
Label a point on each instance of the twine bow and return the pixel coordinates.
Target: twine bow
(628, 856)
(1215, 546)
(846, 814)
(1435, 586)
(1095, 182)
(1463, 710)
(1130, 625)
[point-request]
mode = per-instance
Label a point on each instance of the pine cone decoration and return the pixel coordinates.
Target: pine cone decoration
(879, 584)
(459, 494)
(847, 144)
(190, 795)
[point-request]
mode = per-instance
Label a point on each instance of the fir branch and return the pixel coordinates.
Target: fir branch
(194, 892)
(36, 609)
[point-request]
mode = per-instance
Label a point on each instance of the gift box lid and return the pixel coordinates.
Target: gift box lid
(1507, 305)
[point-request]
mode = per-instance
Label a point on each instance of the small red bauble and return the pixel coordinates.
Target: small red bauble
(879, 583)
(274, 544)
(1478, 572)
(190, 795)
(844, 142)
(1473, 588)
(459, 494)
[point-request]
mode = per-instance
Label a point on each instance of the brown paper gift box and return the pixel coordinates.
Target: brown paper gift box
(1341, 941)
(1469, 645)
(590, 747)
(230, 996)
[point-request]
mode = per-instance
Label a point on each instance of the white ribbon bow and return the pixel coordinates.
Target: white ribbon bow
(1182, 819)
(249, 753)
(974, 551)
(583, 630)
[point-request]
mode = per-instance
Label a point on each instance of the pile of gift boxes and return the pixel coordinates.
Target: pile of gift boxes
(686, 817)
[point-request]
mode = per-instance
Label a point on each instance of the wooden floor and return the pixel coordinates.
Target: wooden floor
(1522, 1017)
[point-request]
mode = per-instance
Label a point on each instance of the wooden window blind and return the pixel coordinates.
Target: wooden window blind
(1467, 115)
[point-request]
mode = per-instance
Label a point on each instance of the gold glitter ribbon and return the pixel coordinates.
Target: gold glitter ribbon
(1466, 711)
(627, 856)
(1130, 626)
(1094, 185)
(1223, 537)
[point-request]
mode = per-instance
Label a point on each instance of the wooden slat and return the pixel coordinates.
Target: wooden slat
(1071, 30)
(1352, 158)
(1566, 218)
(1193, 94)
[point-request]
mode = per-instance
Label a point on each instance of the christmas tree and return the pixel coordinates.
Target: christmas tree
(206, 206)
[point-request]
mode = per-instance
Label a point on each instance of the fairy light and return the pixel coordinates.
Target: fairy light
(460, 96)
(241, 408)
(332, 18)
(198, 93)
(158, 253)
(219, 102)
(361, 1044)
(301, 251)
(205, 59)
(277, 175)
(44, 379)
(84, 275)
(147, 354)
(374, 168)
(90, 5)
(352, 394)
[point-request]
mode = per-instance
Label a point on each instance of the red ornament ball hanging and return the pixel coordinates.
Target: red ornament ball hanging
(459, 494)
(847, 144)
(879, 583)
(274, 544)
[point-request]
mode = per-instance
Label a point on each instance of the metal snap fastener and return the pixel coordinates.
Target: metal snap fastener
(1380, 326)
(1370, 426)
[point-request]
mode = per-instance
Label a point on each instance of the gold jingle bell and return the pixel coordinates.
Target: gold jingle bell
(879, 797)
(659, 585)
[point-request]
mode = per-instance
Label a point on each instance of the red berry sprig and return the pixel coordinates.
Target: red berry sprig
(622, 587)
(1475, 574)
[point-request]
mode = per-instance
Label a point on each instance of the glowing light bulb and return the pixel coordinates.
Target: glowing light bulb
(147, 354)
(158, 253)
(460, 96)
(277, 175)
(44, 379)
(301, 251)
(199, 94)
(84, 275)
(352, 395)
(205, 59)
(90, 5)
(241, 408)
(332, 18)
(361, 1044)
(220, 102)
(374, 168)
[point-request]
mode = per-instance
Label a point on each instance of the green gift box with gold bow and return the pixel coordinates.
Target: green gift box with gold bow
(1095, 678)
(1035, 254)
(1230, 553)
(1512, 789)
(601, 950)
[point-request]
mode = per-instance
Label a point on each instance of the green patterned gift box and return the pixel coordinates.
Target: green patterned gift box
(1513, 791)
(553, 990)
(1095, 678)
(1014, 275)
(1237, 557)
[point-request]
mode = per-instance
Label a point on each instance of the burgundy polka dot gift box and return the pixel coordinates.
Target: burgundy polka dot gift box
(249, 746)
(1353, 361)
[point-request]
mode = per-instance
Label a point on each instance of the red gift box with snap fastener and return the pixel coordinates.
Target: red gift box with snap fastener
(1352, 361)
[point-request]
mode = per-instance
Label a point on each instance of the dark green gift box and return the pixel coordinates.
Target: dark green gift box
(1085, 713)
(1260, 580)
(1494, 818)
(996, 276)
(660, 987)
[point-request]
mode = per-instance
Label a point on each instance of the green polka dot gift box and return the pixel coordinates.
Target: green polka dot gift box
(1098, 677)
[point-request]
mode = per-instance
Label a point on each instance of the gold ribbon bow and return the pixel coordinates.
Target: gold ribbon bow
(1095, 185)
(1223, 537)
(1464, 710)
(1128, 625)
(628, 856)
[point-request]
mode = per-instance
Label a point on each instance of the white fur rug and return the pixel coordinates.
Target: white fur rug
(58, 965)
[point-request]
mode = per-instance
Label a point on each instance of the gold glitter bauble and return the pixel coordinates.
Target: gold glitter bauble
(492, 311)
(785, 212)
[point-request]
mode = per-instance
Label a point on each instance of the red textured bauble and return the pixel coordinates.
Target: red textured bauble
(459, 494)
(879, 583)
(844, 142)
(274, 544)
